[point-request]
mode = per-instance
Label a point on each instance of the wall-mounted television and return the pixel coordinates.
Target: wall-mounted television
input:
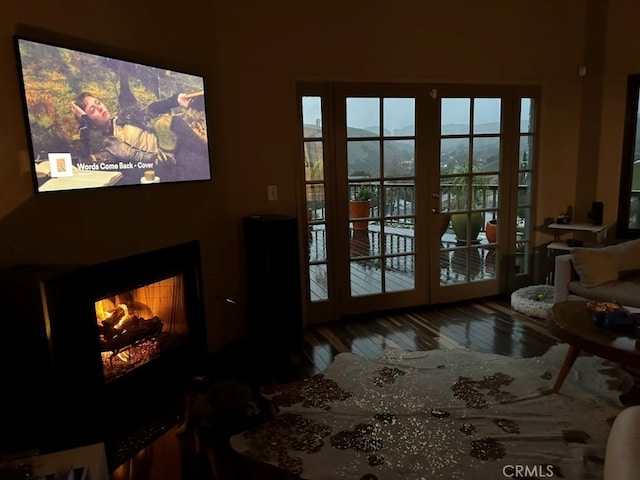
(96, 121)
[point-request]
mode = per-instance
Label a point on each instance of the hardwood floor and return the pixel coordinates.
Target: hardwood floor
(488, 325)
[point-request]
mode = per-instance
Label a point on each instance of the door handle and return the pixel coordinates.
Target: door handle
(435, 211)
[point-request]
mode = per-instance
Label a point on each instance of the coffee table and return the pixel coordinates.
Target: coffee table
(576, 327)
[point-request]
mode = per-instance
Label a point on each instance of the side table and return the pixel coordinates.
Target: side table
(560, 228)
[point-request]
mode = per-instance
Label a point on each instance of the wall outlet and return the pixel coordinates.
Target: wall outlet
(272, 192)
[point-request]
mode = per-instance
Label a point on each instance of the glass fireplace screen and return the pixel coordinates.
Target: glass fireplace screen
(138, 325)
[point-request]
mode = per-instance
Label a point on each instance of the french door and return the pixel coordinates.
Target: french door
(403, 186)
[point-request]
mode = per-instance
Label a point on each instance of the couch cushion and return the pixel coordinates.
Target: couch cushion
(624, 292)
(595, 266)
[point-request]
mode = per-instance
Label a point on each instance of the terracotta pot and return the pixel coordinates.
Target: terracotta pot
(359, 209)
(491, 230)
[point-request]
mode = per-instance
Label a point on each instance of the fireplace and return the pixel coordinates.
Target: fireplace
(139, 325)
(120, 338)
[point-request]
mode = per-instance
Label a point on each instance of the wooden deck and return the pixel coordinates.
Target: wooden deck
(366, 272)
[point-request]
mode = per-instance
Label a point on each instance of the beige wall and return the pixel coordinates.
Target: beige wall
(622, 59)
(252, 53)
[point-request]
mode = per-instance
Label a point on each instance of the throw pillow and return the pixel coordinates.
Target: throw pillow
(627, 255)
(595, 266)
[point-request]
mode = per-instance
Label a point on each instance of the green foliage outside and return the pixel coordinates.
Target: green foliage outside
(362, 193)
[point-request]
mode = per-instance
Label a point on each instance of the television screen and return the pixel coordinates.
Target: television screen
(96, 121)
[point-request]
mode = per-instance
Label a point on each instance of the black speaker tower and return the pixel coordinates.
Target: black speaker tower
(273, 280)
(596, 213)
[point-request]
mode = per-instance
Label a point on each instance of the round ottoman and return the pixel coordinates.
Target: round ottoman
(534, 301)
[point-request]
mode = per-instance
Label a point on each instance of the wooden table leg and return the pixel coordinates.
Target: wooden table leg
(569, 359)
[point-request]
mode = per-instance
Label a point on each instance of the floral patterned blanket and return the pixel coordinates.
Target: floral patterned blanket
(454, 414)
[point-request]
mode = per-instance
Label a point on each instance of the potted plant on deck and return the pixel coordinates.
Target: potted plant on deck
(360, 205)
(359, 212)
(462, 187)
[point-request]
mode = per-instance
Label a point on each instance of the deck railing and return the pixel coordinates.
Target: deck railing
(399, 198)
(399, 201)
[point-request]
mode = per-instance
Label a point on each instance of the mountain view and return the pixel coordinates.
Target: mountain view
(398, 155)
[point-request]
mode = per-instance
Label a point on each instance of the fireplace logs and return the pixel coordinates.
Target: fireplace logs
(117, 334)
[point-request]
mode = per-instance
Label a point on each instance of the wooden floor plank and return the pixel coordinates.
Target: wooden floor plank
(327, 333)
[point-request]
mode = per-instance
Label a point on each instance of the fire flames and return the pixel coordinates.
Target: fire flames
(104, 315)
(127, 340)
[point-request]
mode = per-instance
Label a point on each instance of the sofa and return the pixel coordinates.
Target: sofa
(610, 273)
(621, 460)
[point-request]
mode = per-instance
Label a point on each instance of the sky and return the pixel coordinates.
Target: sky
(399, 112)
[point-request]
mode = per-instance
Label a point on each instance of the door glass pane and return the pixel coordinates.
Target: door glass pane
(524, 188)
(398, 158)
(454, 155)
(399, 117)
(491, 226)
(527, 120)
(399, 199)
(316, 208)
(455, 116)
(363, 242)
(459, 261)
(522, 225)
(526, 152)
(486, 115)
(466, 265)
(318, 280)
(400, 273)
(489, 262)
(312, 116)
(486, 154)
(366, 277)
(363, 158)
(317, 243)
(484, 195)
(364, 199)
(366, 243)
(399, 236)
(363, 117)
(314, 163)
(523, 244)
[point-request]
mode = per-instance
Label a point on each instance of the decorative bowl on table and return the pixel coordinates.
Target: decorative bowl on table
(612, 315)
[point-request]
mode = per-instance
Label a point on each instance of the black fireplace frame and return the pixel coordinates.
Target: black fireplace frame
(77, 407)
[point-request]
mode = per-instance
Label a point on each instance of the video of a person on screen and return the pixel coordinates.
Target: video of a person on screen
(96, 121)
